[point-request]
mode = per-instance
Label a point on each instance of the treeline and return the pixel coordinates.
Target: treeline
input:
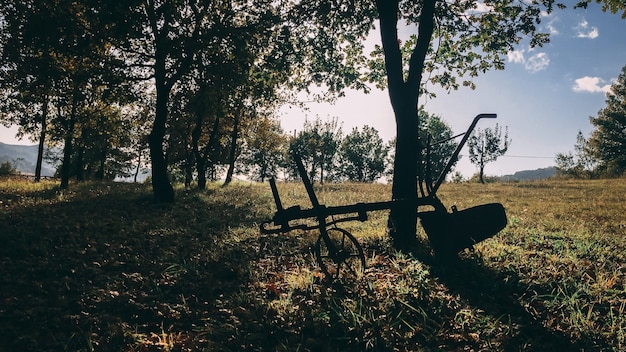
(603, 154)
(118, 85)
(189, 89)
(264, 150)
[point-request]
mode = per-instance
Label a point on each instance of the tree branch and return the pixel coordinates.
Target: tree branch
(418, 57)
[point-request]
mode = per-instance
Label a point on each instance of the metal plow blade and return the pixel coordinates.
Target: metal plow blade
(450, 233)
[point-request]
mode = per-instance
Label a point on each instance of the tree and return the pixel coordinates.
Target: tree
(31, 68)
(608, 141)
(454, 39)
(170, 42)
(159, 44)
(264, 148)
(7, 168)
(580, 164)
(486, 146)
(317, 145)
(439, 145)
(55, 54)
(362, 155)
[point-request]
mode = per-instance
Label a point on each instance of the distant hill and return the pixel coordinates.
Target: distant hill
(538, 174)
(24, 157)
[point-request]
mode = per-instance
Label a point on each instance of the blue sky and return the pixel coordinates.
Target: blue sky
(544, 96)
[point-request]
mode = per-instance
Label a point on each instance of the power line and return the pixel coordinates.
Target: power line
(524, 156)
(528, 156)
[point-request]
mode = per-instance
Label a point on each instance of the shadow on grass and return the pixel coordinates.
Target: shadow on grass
(500, 295)
(109, 269)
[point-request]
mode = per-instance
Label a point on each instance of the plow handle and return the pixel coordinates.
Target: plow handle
(455, 155)
(279, 204)
(305, 179)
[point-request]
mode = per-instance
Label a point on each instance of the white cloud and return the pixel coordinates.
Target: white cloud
(532, 64)
(481, 7)
(552, 29)
(584, 31)
(551, 22)
(591, 85)
(516, 56)
(592, 34)
(537, 62)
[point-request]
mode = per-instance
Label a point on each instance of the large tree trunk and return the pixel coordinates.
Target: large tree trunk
(403, 218)
(79, 164)
(67, 156)
(67, 146)
(233, 151)
(42, 138)
(404, 94)
(202, 157)
(161, 186)
(188, 167)
(101, 163)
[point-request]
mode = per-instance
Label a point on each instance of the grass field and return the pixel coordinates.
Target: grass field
(103, 268)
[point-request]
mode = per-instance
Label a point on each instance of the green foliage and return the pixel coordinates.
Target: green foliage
(72, 92)
(317, 144)
(607, 143)
(486, 146)
(7, 168)
(603, 153)
(265, 149)
(362, 155)
(613, 6)
(437, 135)
(580, 164)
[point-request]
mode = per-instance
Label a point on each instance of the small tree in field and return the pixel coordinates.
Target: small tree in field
(486, 146)
(580, 164)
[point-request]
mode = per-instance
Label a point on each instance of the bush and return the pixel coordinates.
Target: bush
(7, 169)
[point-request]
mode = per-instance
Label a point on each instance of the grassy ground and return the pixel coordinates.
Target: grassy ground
(103, 268)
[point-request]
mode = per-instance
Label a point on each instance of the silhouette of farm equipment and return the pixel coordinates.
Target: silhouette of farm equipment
(337, 251)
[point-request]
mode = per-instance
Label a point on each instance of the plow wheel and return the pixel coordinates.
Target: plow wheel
(345, 259)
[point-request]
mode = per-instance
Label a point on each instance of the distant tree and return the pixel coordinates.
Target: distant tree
(362, 155)
(580, 164)
(438, 146)
(317, 145)
(436, 136)
(457, 177)
(264, 149)
(7, 168)
(486, 146)
(608, 141)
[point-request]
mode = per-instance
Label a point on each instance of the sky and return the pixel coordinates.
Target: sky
(545, 95)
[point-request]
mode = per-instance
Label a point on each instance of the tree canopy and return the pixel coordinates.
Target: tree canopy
(362, 155)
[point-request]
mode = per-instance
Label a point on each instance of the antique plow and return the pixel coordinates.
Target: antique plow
(337, 251)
